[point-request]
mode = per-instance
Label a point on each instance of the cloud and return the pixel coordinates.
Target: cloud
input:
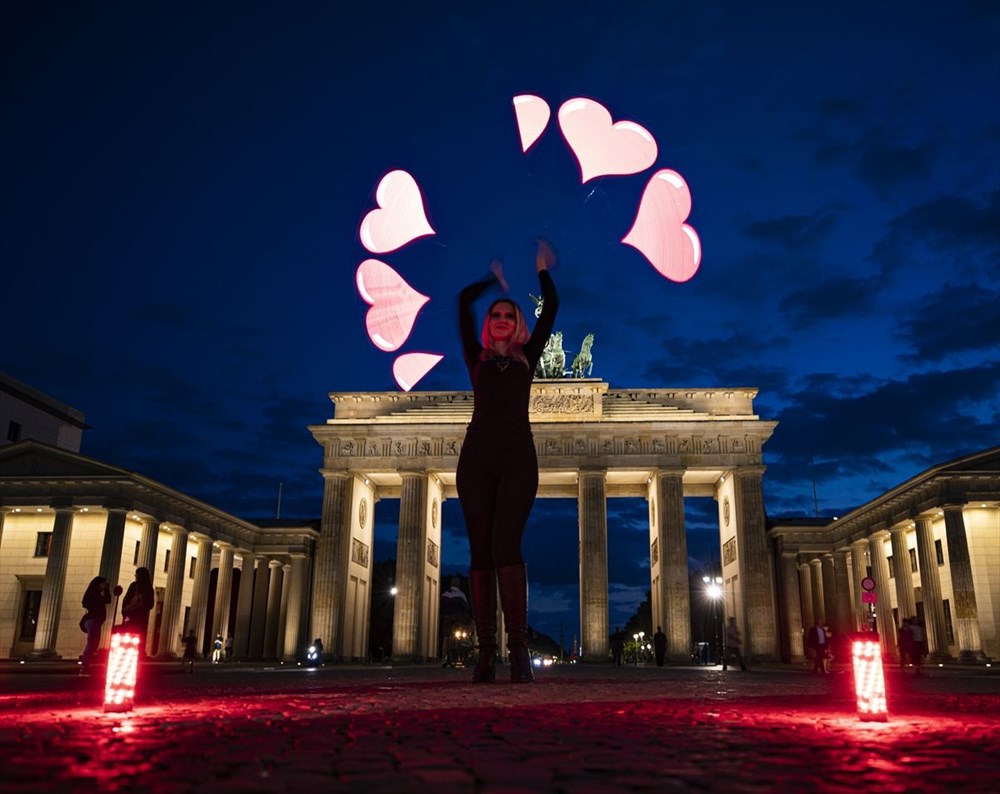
(793, 232)
(957, 319)
(837, 298)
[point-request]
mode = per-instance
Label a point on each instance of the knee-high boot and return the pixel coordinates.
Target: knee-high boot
(483, 587)
(513, 580)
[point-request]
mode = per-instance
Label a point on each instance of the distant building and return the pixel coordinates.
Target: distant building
(28, 414)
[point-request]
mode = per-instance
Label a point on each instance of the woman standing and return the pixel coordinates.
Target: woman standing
(96, 598)
(137, 604)
(497, 474)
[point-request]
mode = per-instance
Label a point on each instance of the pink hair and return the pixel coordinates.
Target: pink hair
(520, 336)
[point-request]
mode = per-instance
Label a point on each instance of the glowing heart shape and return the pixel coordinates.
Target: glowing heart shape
(532, 114)
(659, 231)
(400, 218)
(411, 367)
(602, 148)
(394, 304)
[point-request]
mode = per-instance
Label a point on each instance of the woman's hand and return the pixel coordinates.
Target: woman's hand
(496, 268)
(545, 257)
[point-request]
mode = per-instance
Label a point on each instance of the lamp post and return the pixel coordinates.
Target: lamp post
(713, 591)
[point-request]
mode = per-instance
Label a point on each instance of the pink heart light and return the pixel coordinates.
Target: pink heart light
(411, 367)
(394, 304)
(602, 148)
(659, 231)
(400, 218)
(532, 114)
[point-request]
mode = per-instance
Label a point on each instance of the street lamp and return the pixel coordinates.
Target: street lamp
(713, 591)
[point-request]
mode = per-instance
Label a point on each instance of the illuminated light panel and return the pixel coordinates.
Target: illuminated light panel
(411, 367)
(869, 683)
(603, 148)
(123, 663)
(400, 217)
(394, 304)
(532, 114)
(659, 232)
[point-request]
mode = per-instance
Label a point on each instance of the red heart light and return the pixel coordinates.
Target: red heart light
(602, 148)
(394, 304)
(659, 231)
(400, 218)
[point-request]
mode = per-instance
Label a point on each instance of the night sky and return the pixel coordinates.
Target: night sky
(182, 190)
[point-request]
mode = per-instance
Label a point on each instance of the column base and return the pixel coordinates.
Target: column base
(45, 655)
(971, 657)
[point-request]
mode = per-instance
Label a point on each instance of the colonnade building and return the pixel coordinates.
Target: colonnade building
(932, 545)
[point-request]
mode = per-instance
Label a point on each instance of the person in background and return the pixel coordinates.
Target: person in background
(190, 643)
(497, 474)
(818, 642)
(96, 598)
(733, 646)
(660, 646)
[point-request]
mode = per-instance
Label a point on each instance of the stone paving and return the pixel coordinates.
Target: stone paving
(577, 729)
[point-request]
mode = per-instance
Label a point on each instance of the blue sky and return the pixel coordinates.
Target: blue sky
(183, 187)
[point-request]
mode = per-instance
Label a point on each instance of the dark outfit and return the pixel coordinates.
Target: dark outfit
(136, 606)
(660, 647)
(617, 647)
(818, 640)
(95, 601)
(497, 478)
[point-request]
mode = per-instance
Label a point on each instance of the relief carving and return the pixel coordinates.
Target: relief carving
(562, 404)
(359, 552)
(659, 446)
(432, 553)
(552, 447)
(654, 552)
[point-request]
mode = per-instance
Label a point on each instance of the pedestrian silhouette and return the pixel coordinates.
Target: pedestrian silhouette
(733, 643)
(660, 646)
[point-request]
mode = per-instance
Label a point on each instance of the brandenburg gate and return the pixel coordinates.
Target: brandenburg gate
(593, 443)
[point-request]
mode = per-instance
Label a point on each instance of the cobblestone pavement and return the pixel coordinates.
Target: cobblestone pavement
(577, 729)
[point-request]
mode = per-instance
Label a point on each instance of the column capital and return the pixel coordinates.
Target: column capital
(275, 564)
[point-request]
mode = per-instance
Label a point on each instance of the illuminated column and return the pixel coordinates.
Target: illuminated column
(819, 602)
(148, 539)
(859, 570)
(169, 640)
(930, 587)
(902, 572)
(966, 614)
(806, 595)
(223, 592)
(3, 514)
(53, 584)
(258, 611)
(842, 612)
(830, 594)
(273, 610)
(199, 591)
(296, 589)
(793, 606)
(241, 638)
(593, 517)
(333, 553)
(279, 651)
(410, 553)
(111, 550)
(884, 623)
(675, 595)
(755, 566)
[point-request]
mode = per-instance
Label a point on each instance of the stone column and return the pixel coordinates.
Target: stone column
(333, 553)
(936, 631)
(902, 571)
(806, 596)
(410, 553)
(675, 595)
(111, 550)
(258, 611)
(199, 592)
(148, 540)
(792, 606)
(830, 595)
(53, 585)
(593, 517)
(818, 596)
(286, 570)
(884, 622)
(755, 566)
(293, 611)
(223, 593)
(169, 639)
(842, 612)
(965, 617)
(3, 514)
(273, 610)
(859, 570)
(241, 638)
